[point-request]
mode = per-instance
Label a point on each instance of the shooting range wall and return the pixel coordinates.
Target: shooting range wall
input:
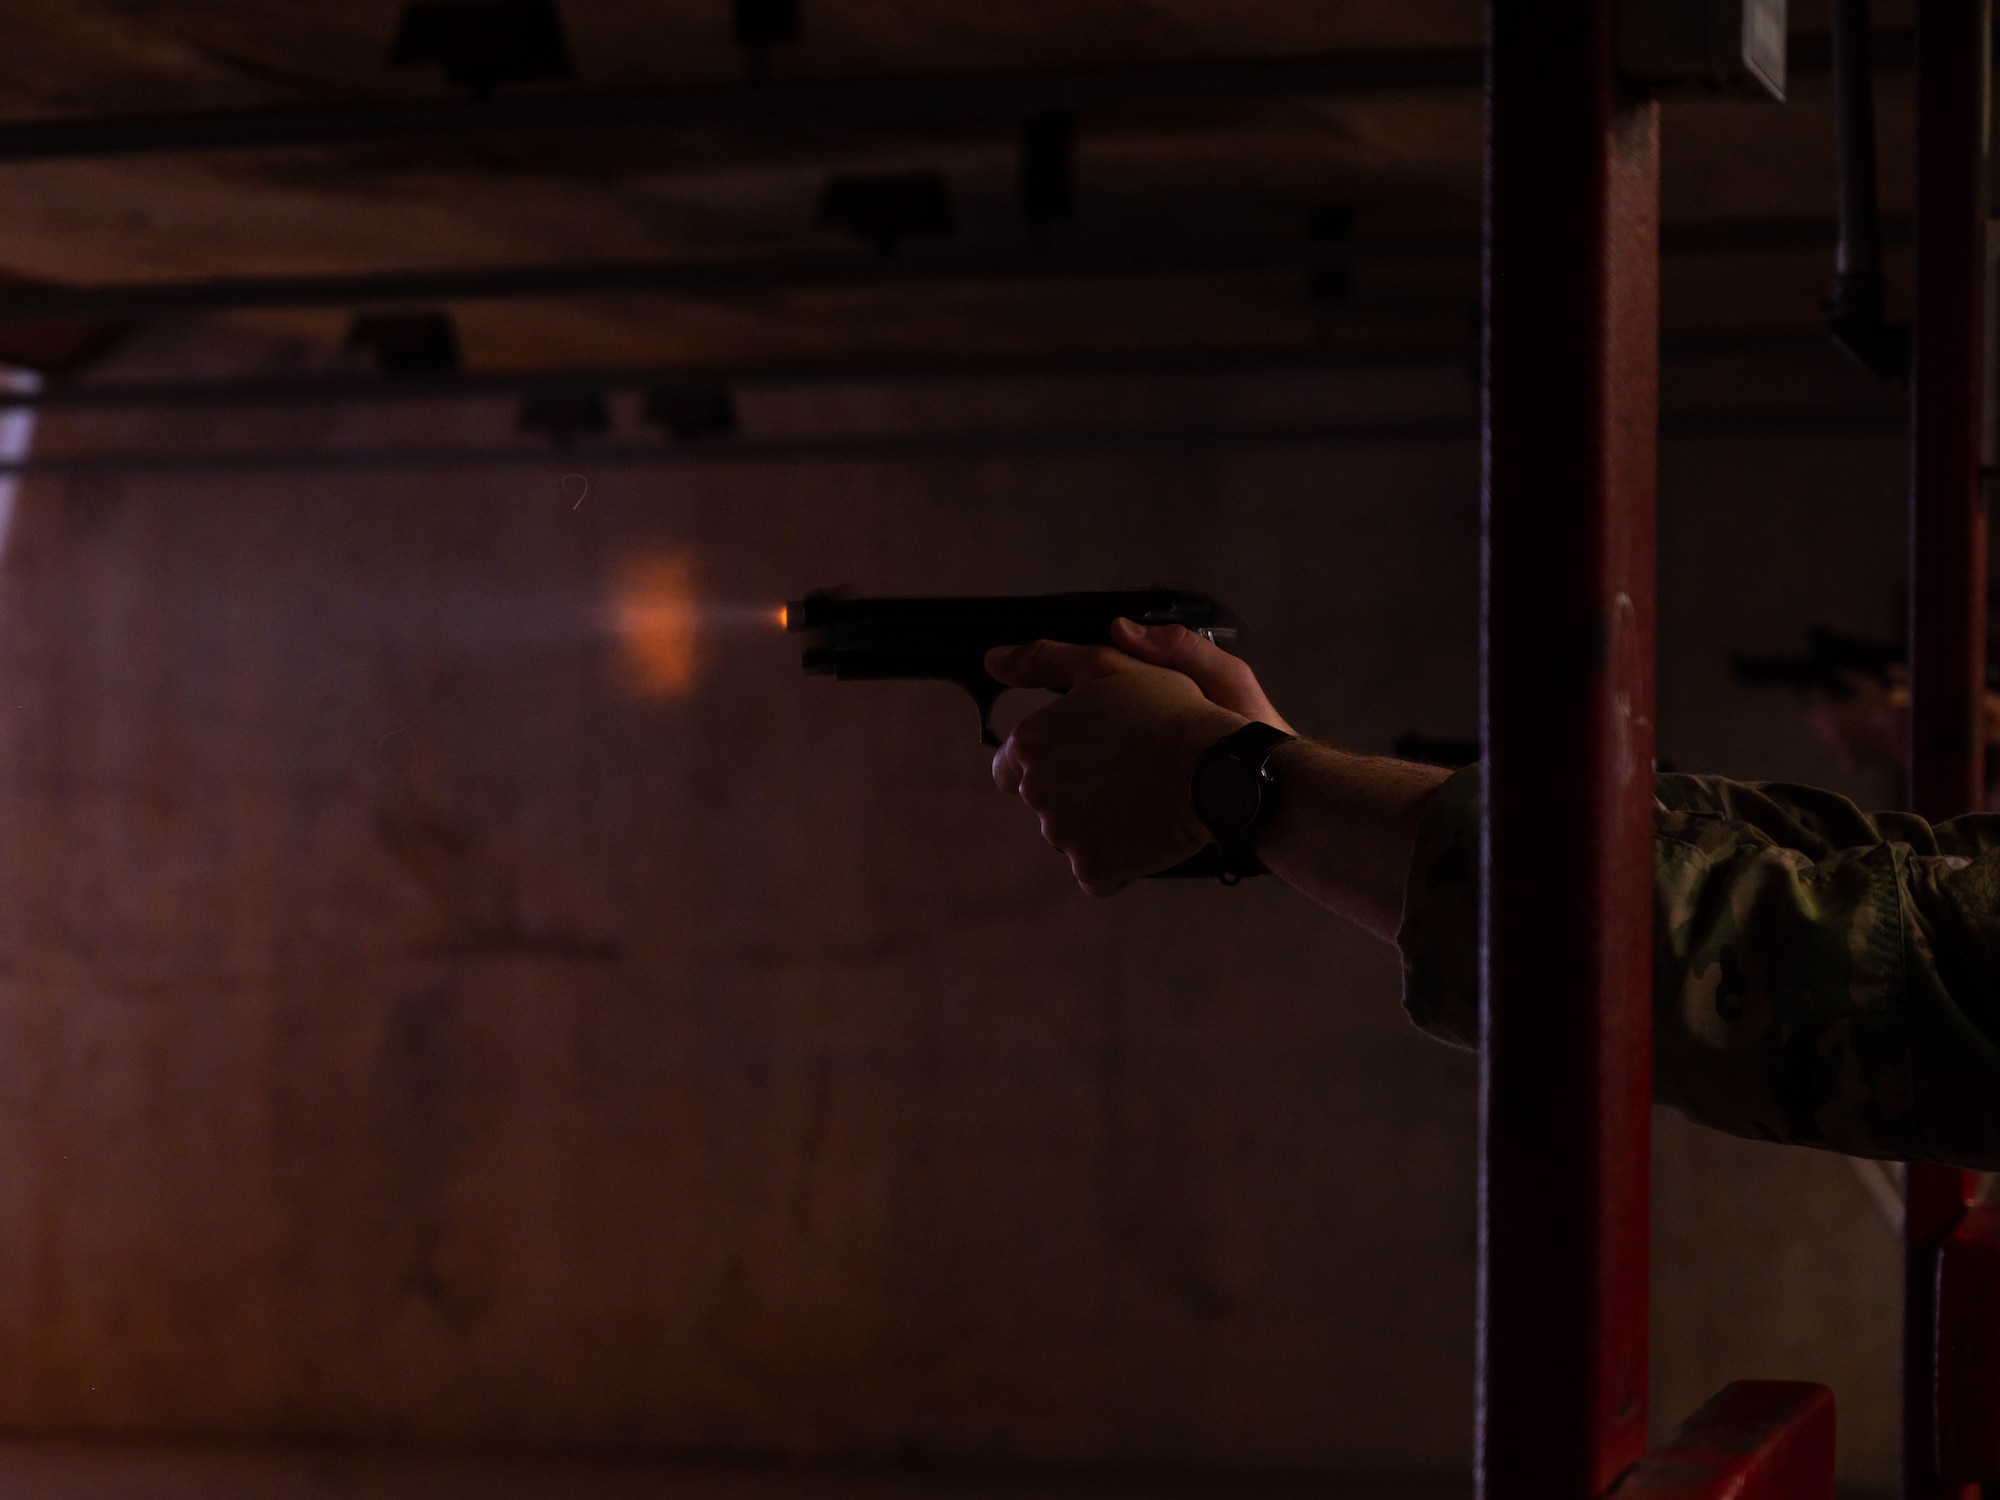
(404, 1033)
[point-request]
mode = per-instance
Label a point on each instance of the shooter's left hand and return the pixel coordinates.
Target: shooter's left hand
(1107, 766)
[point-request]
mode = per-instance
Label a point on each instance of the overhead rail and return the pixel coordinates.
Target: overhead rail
(723, 452)
(341, 386)
(1007, 92)
(719, 277)
(1001, 92)
(669, 278)
(455, 385)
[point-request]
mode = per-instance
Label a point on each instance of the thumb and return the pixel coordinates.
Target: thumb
(1223, 679)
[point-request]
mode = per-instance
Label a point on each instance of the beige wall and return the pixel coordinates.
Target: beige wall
(402, 1032)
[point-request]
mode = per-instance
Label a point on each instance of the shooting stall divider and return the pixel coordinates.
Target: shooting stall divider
(1571, 411)
(1951, 1336)
(1571, 400)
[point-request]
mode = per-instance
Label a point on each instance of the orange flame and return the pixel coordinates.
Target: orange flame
(655, 615)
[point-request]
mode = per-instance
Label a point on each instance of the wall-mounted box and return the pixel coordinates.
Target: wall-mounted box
(1682, 49)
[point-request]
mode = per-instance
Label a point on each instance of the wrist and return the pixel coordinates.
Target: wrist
(1198, 731)
(1236, 794)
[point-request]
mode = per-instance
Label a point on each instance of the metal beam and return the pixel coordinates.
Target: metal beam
(454, 385)
(675, 278)
(1428, 432)
(911, 267)
(1007, 94)
(1571, 407)
(1947, 611)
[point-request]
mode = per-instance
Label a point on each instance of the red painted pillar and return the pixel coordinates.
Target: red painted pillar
(1571, 373)
(1947, 578)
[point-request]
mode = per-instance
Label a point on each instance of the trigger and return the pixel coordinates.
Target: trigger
(986, 697)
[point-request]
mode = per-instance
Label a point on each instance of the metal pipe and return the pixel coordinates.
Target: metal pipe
(918, 447)
(1571, 405)
(1166, 364)
(683, 278)
(455, 385)
(1858, 252)
(1007, 94)
(1947, 603)
(711, 278)
(1857, 313)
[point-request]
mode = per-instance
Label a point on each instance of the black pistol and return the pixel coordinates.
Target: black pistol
(946, 640)
(1829, 657)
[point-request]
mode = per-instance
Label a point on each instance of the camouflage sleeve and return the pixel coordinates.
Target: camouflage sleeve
(1822, 977)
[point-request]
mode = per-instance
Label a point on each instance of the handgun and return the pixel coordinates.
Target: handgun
(946, 640)
(1829, 660)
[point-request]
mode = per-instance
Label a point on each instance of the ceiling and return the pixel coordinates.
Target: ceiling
(1146, 180)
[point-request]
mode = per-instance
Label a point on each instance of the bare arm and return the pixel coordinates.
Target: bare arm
(1345, 830)
(1108, 768)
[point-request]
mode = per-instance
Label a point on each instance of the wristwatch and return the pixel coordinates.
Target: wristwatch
(1235, 795)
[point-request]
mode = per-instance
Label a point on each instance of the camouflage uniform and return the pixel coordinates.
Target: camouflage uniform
(1821, 977)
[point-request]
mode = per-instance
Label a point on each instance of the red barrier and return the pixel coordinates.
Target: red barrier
(1572, 271)
(1757, 1440)
(1947, 619)
(1968, 1348)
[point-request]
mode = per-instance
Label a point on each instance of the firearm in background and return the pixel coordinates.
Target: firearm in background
(946, 640)
(1862, 707)
(1830, 660)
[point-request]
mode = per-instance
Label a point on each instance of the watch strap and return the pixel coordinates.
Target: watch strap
(1234, 853)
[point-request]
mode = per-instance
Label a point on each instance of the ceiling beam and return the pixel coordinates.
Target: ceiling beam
(1846, 418)
(1005, 93)
(672, 278)
(695, 279)
(358, 386)
(462, 385)
(1008, 92)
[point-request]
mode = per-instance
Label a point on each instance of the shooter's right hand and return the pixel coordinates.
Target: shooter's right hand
(1224, 680)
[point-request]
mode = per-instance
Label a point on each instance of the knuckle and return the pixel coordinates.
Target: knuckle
(1094, 879)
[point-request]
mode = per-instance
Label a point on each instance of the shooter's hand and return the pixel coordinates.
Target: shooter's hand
(1107, 766)
(1223, 679)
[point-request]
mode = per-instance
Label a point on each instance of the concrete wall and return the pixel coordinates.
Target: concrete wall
(406, 1032)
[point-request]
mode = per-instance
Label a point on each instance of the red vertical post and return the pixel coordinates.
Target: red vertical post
(1947, 579)
(1571, 398)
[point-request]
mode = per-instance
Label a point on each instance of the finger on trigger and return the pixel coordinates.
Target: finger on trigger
(1043, 664)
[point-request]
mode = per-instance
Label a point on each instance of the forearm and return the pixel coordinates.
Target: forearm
(1345, 829)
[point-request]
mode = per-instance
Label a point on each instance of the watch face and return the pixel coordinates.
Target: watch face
(1227, 793)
